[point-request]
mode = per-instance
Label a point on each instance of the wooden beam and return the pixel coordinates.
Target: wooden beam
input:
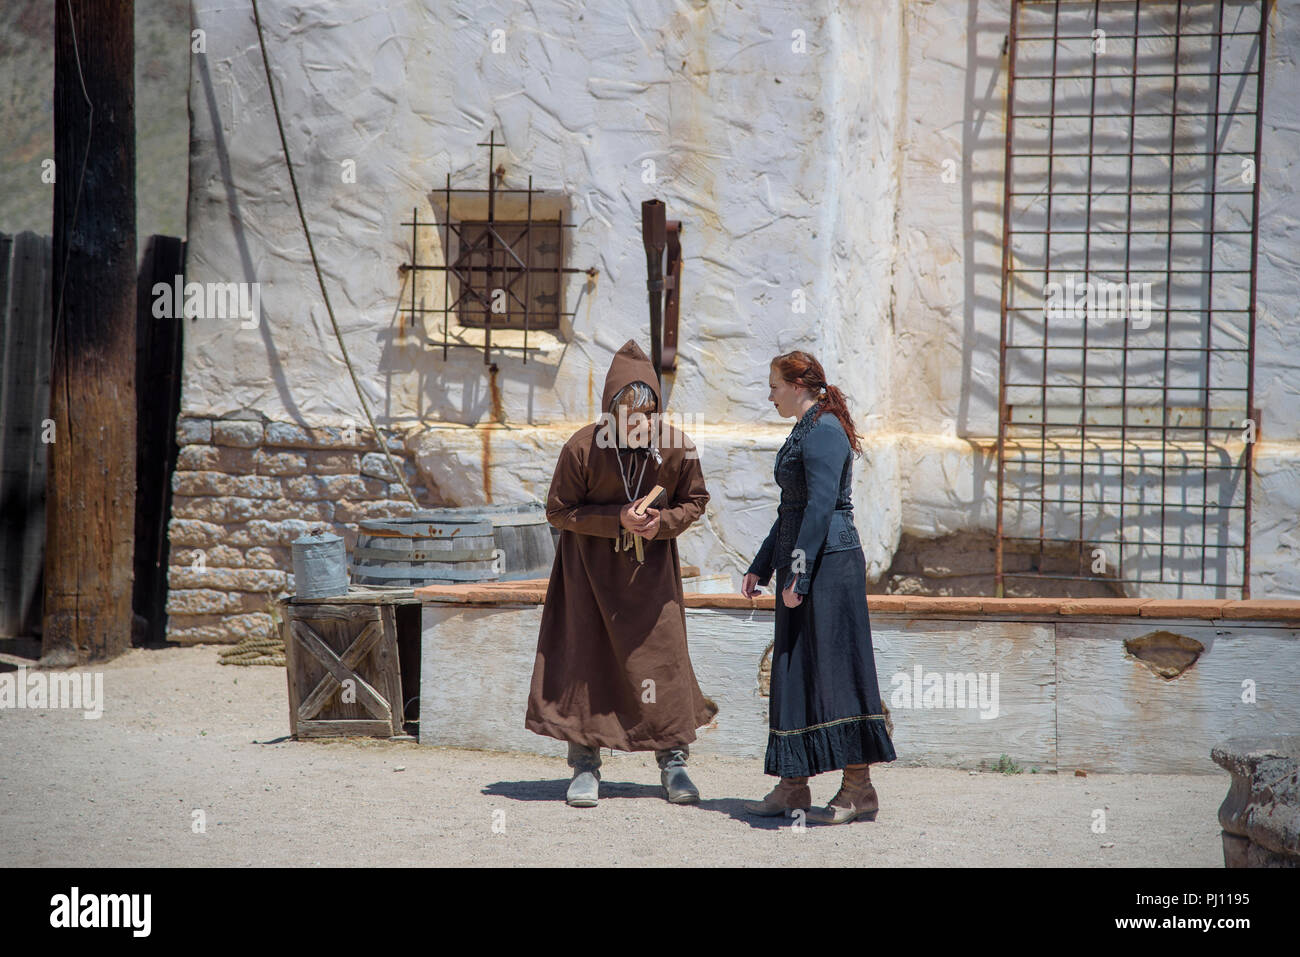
(90, 506)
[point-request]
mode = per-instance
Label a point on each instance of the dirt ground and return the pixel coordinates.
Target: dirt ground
(180, 733)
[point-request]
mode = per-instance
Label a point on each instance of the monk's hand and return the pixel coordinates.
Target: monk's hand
(644, 525)
(749, 586)
(628, 519)
(790, 597)
(649, 527)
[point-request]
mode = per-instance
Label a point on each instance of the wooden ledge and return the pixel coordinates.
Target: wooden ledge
(525, 591)
(531, 591)
(1272, 609)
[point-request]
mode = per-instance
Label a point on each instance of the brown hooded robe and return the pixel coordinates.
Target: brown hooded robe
(610, 625)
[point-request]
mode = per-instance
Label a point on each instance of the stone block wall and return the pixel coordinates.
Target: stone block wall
(243, 490)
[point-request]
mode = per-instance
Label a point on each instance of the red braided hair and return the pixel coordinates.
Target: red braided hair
(802, 369)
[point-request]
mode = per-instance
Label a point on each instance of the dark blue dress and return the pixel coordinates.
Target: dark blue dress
(825, 711)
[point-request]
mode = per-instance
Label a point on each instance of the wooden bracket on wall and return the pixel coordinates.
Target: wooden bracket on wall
(664, 285)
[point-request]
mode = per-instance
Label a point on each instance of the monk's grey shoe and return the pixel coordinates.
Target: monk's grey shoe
(584, 789)
(678, 787)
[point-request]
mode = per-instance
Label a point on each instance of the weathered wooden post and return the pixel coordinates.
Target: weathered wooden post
(90, 503)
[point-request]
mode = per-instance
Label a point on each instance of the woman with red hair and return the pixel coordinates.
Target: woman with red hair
(825, 711)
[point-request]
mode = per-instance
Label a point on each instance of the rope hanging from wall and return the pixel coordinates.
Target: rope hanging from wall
(302, 218)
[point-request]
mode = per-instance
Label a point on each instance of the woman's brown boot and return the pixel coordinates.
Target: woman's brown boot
(791, 794)
(856, 798)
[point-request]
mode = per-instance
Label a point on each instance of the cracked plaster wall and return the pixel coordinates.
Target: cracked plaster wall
(814, 171)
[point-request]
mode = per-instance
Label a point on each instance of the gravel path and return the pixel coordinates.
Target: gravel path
(181, 733)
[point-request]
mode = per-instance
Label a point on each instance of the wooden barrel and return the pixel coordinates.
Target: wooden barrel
(443, 546)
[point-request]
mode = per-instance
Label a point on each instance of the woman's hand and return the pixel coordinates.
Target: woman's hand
(749, 587)
(789, 596)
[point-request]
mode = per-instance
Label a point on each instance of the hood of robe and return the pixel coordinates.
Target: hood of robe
(629, 365)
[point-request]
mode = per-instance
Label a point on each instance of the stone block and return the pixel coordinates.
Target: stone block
(183, 531)
(219, 629)
(279, 463)
(240, 434)
(191, 431)
(260, 532)
(334, 487)
(383, 508)
(260, 556)
(292, 436)
(333, 463)
(201, 601)
(277, 509)
(219, 483)
(201, 458)
(375, 465)
(204, 507)
(226, 579)
(216, 556)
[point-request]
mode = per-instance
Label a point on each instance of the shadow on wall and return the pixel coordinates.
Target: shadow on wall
(461, 388)
(237, 229)
(983, 145)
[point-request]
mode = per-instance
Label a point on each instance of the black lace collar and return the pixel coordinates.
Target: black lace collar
(801, 428)
(806, 422)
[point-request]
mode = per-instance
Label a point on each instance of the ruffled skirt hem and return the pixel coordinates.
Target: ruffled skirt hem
(828, 747)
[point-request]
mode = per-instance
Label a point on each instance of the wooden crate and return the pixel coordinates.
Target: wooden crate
(344, 648)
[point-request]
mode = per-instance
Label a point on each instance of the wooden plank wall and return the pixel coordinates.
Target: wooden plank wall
(474, 689)
(1115, 714)
(1068, 694)
(26, 327)
(25, 333)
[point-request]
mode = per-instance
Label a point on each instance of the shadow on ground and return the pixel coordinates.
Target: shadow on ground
(733, 808)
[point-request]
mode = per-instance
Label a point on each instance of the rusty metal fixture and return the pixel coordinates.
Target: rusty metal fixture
(663, 284)
(1097, 198)
(654, 236)
(507, 246)
(672, 294)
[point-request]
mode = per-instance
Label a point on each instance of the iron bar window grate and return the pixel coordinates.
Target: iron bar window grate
(1126, 417)
(502, 262)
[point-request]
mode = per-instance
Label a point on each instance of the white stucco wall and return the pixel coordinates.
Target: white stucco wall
(780, 164)
(748, 138)
(817, 171)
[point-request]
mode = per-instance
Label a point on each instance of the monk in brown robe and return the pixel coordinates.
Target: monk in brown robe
(612, 668)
